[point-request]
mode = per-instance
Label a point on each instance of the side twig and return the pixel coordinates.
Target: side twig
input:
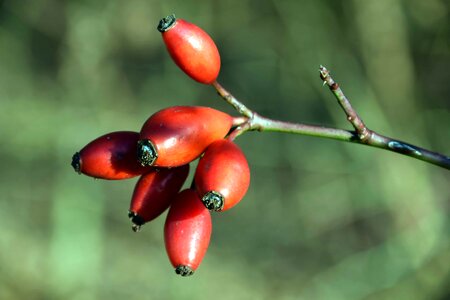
(352, 116)
(238, 106)
(361, 135)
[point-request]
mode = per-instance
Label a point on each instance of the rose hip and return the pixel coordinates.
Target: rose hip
(191, 48)
(187, 232)
(177, 135)
(153, 194)
(222, 176)
(111, 156)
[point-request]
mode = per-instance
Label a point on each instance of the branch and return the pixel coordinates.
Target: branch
(361, 135)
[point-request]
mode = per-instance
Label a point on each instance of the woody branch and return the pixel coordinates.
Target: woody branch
(361, 134)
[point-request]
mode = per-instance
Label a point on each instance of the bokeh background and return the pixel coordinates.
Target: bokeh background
(322, 219)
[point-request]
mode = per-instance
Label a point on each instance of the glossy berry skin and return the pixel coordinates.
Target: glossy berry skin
(192, 49)
(177, 135)
(153, 194)
(223, 176)
(111, 156)
(187, 232)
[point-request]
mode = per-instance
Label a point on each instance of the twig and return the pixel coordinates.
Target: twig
(361, 135)
(239, 106)
(352, 116)
(238, 131)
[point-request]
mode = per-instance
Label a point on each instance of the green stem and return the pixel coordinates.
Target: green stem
(238, 131)
(372, 139)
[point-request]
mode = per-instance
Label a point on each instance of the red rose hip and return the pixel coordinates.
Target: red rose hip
(223, 176)
(177, 135)
(111, 156)
(187, 232)
(192, 49)
(153, 194)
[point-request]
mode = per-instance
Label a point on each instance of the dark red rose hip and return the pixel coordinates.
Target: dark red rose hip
(154, 192)
(187, 232)
(223, 176)
(111, 156)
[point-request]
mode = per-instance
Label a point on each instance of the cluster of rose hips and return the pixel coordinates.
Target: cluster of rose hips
(161, 152)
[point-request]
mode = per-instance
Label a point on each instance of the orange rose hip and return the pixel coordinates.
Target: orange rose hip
(187, 232)
(191, 48)
(153, 194)
(223, 176)
(177, 135)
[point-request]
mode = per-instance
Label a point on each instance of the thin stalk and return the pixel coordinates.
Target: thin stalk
(373, 139)
(352, 116)
(227, 96)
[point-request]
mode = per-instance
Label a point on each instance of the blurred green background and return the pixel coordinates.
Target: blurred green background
(322, 219)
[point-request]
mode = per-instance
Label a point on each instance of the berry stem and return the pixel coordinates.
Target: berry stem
(238, 121)
(239, 130)
(361, 135)
(227, 96)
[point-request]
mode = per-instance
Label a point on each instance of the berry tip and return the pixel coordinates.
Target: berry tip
(76, 162)
(166, 23)
(137, 221)
(136, 228)
(184, 270)
(146, 153)
(213, 201)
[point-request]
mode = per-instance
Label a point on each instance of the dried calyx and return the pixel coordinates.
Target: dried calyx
(146, 153)
(166, 23)
(184, 270)
(76, 162)
(137, 221)
(213, 201)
